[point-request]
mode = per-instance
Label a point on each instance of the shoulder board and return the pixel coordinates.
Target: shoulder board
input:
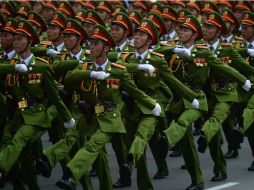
(118, 65)
(239, 38)
(129, 52)
(43, 60)
(158, 54)
(203, 46)
(165, 44)
(226, 44)
(48, 43)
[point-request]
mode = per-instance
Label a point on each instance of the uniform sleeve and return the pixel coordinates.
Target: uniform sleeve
(39, 51)
(128, 84)
(226, 70)
(52, 93)
(7, 69)
(64, 66)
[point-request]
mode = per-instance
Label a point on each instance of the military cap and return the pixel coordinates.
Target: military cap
(216, 20)
(183, 13)
(169, 13)
(23, 10)
(123, 20)
(156, 8)
(209, 7)
(10, 25)
(194, 4)
(36, 19)
(179, 2)
(90, 4)
(51, 4)
(148, 27)
(158, 22)
(117, 2)
(66, 8)
(248, 18)
(135, 17)
(104, 5)
(244, 5)
(25, 28)
(228, 15)
(227, 3)
(25, 2)
(142, 4)
(101, 33)
(92, 16)
(59, 19)
(81, 15)
(193, 23)
(7, 8)
(73, 27)
(2, 21)
(119, 9)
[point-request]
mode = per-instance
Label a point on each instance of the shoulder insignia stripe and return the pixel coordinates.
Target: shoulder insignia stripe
(202, 47)
(49, 43)
(164, 44)
(226, 44)
(118, 65)
(158, 54)
(43, 60)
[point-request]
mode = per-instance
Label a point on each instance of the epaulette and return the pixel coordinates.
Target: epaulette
(201, 46)
(239, 38)
(119, 66)
(48, 43)
(129, 52)
(43, 60)
(165, 44)
(226, 44)
(158, 54)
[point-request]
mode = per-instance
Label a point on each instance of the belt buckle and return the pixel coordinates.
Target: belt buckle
(22, 104)
(99, 109)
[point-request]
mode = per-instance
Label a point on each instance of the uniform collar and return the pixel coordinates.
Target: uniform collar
(103, 66)
(172, 35)
(188, 49)
(59, 47)
(121, 47)
(248, 43)
(27, 60)
(142, 55)
(78, 55)
(10, 54)
(228, 38)
(215, 45)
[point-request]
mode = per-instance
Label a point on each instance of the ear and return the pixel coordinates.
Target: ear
(149, 41)
(106, 48)
(194, 35)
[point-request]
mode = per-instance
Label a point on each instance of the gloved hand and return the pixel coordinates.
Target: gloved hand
(70, 123)
(195, 103)
(100, 75)
(52, 52)
(251, 52)
(156, 110)
(146, 67)
(22, 68)
(247, 85)
(181, 51)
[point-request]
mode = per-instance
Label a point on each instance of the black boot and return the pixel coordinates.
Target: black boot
(176, 153)
(195, 186)
(231, 154)
(219, 176)
(67, 184)
(161, 174)
(44, 167)
(163, 144)
(202, 143)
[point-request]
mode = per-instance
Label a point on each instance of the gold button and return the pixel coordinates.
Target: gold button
(114, 114)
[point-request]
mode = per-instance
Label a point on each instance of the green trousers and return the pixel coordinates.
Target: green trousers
(179, 133)
(248, 114)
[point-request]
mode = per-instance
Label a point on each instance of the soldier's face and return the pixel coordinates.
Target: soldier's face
(169, 24)
(185, 34)
(70, 41)
(7, 40)
(96, 48)
(89, 28)
(47, 14)
(53, 32)
(20, 43)
(140, 39)
(118, 33)
(103, 14)
(210, 32)
(192, 10)
(238, 14)
(248, 32)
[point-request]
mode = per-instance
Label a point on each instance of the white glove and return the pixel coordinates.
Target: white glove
(52, 52)
(181, 51)
(146, 67)
(70, 123)
(156, 110)
(195, 103)
(100, 75)
(251, 52)
(247, 85)
(22, 68)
